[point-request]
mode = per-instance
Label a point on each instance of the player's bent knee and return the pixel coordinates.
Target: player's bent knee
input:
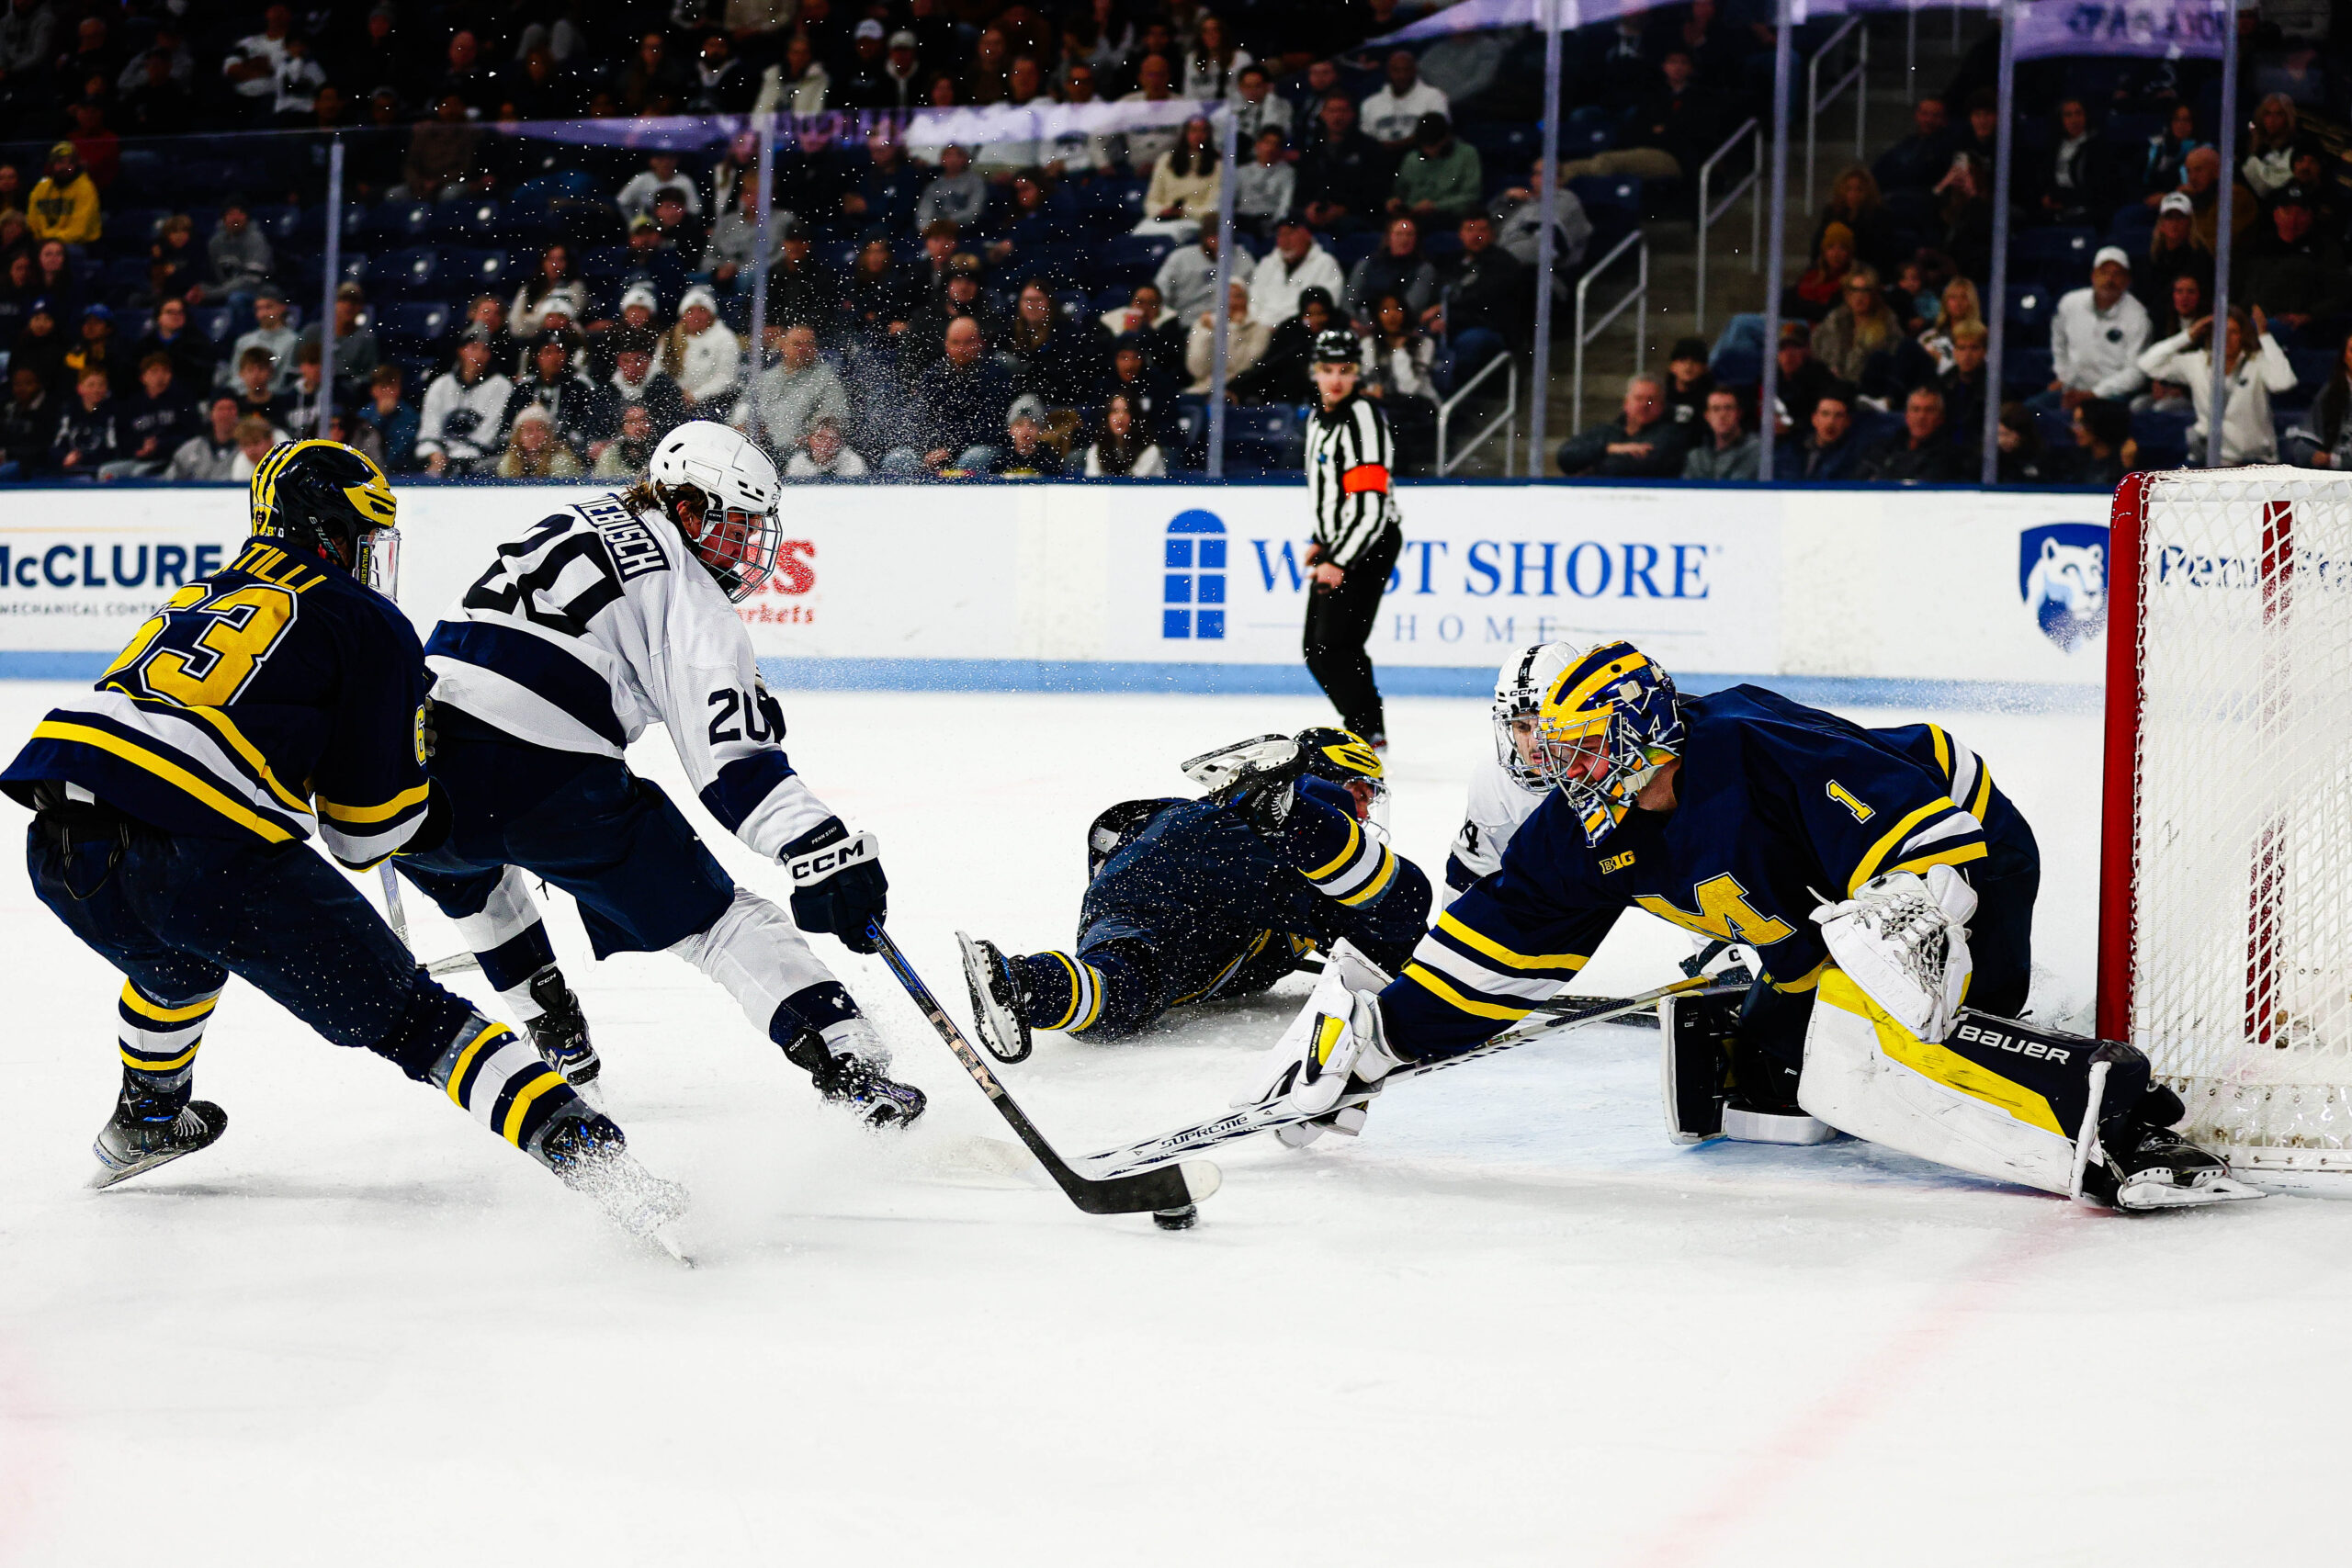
(1996, 1098)
(754, 950)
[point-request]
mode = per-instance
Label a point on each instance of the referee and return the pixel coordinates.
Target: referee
(1357, 534)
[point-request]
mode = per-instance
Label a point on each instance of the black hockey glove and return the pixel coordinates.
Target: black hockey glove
(837, 884)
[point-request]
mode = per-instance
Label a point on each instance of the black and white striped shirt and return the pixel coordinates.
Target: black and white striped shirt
(1349, 457)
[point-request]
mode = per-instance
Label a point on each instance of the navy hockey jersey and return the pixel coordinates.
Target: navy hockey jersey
(1225, 915)
(276, 698)
(1780, 808)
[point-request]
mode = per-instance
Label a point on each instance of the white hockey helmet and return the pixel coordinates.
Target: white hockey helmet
(1520, 686)
(722, 493)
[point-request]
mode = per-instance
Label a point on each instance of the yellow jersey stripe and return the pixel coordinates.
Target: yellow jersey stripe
(1381, 879)
(145, 1008)
(548, 1080)
(1894, 835)
(171, 772)
(229, 732)
(1959, 854)
(391, 808)
(1355, 840)
(1076, 990)
(1943, 749)
(1095, 1012)
(466, 1059)
(148, 1065)
(1502, 954)
(1805, 982)
(1429, 981)
(1982, 801)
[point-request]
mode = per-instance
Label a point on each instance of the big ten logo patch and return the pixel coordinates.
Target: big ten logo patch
(2062, 575)
(794, 578)
(1192, 595)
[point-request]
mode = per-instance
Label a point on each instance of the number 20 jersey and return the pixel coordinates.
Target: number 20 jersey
(599, 622)
(276, 698)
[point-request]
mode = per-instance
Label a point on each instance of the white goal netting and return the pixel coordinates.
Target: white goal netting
(2239, 958)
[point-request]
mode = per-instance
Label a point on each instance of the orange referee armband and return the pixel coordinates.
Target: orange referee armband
(1364, 477)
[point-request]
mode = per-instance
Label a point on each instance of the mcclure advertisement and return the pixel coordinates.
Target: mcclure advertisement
(1876, 591)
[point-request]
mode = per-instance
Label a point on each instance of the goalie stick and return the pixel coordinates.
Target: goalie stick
(1165, 1189)
(1142, 1157)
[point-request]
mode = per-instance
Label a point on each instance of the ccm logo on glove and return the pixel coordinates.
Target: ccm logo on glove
(819, 864)
(837, 884)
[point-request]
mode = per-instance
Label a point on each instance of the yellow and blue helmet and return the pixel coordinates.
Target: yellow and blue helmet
(1609, 721)
(333, 501)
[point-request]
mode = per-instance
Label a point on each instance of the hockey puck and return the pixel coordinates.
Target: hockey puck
(1181, 1219)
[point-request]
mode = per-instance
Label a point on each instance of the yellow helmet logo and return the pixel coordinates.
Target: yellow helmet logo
(1355, 756)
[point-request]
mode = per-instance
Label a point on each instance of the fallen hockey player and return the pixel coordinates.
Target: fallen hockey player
(1191, 900)
(1878, 875)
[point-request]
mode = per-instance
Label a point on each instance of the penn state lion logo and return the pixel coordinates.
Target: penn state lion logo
(2062, 574)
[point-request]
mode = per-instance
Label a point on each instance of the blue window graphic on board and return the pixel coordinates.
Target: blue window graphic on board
(1192, 594)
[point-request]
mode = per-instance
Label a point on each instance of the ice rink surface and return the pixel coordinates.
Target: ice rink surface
(1511, 1323)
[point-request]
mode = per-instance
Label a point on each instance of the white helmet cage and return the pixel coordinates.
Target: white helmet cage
(1520, 686)
(737, 531)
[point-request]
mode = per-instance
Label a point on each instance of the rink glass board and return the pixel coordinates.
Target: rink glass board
(1995, 597)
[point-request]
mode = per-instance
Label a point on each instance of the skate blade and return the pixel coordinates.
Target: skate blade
(665, 1236)
(2142, 1197)
(108, 1175)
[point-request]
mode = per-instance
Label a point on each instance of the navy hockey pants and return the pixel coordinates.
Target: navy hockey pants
(177, 914)
(614, 842)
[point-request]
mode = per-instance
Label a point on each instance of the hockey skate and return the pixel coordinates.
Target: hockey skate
(996, 1000)
(589, 1154)
(147, 1132)
(560, 1032)
(2156, 1167)
(850, 1080)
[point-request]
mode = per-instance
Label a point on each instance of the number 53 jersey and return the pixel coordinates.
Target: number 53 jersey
(1780, 808)
(597, 623)
(275, 699)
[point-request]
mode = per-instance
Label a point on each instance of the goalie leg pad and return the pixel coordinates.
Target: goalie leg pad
(1997, 1098)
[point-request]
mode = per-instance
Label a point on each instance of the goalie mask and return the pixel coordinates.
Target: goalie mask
(1520, 686)
(324, 498)
(722, 493)
(1607, 724)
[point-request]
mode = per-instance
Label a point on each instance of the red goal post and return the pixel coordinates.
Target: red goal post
(2225, 886)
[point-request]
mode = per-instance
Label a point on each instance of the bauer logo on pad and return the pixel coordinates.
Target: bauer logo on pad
(2062, 574)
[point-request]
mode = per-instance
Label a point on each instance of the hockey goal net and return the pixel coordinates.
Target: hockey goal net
(2225, 900)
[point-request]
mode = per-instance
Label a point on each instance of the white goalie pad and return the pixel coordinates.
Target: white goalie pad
(1335, 1037)
(1866, 1075)
(1903, 940)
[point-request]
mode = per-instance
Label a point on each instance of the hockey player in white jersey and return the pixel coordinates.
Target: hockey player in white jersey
(603, 618)
(1505, 791)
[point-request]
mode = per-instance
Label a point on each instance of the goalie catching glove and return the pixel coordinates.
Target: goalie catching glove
(837, 884)
(1330, 1060)
(1903, 939)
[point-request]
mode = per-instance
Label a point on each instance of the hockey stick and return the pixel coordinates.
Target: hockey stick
(1167, 1190)
(457, 962)
(1144, 1156)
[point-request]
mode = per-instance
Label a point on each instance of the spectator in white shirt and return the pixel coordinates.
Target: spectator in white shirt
(661, 173)
(702, 356)
(1267, 188)
(1187, 278)
(1390, 114)
(2248, 432)
(1212, 63)
(2095, 337)
(823, 455)
(1296, 262)
(252, 65)
(1259, 107)
(1146, 145)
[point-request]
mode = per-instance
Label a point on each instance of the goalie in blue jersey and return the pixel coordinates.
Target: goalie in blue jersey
(1886, 886)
